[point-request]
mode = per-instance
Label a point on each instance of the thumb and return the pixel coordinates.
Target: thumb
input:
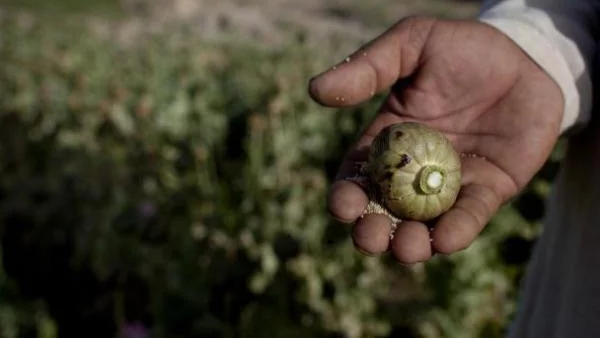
(374, 67)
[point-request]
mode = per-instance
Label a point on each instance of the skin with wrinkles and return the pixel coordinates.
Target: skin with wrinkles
(472, 83)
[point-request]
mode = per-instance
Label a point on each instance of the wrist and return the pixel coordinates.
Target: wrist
(555, 54)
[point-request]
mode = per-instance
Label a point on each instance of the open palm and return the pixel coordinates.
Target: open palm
(469, 81)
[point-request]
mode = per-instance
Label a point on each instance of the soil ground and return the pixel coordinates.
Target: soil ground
(266, 21)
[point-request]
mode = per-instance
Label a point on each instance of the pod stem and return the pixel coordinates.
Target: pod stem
(431, 179)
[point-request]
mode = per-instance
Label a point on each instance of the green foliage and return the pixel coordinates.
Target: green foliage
(195, 174)
(60, 7)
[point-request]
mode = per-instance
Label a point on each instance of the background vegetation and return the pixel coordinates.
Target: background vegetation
(160, 182)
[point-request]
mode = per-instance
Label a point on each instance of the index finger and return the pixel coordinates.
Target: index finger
(375, 67)
(347, 200)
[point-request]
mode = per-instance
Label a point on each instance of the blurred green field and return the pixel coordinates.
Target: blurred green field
(179, 183)
(62, 7)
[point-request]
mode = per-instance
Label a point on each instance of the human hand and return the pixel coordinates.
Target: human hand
(467, 80)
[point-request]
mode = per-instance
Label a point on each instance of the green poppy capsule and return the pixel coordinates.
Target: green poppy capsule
(416, 171)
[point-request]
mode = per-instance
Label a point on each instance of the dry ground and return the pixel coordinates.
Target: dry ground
(352, 19)
(319, 22)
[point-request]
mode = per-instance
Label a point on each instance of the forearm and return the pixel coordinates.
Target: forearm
(560, 37)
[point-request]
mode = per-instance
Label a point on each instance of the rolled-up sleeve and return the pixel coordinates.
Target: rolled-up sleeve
(560, 36)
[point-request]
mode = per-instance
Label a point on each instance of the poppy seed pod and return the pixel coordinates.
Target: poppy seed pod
(415, 170)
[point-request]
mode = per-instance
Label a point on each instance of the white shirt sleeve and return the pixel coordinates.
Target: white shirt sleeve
(560, 37)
